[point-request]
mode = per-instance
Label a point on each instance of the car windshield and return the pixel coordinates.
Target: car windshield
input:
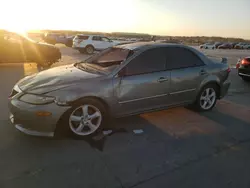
(108, 60)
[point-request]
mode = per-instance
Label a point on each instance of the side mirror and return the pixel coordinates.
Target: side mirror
(122, 72)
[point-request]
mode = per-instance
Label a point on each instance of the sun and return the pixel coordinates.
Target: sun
(16, 28)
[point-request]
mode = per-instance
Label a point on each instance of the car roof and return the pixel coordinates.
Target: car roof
(147, 45)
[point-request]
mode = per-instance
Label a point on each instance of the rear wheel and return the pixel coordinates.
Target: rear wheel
(89, 49)
(207, 98)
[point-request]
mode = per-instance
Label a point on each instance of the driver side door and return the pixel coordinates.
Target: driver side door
(145, 84)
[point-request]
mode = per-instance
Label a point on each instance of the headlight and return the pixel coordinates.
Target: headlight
(36, 99)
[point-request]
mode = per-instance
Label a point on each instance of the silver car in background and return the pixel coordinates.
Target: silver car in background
(120, 81)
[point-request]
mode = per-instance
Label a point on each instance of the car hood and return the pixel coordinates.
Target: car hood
(54, 79)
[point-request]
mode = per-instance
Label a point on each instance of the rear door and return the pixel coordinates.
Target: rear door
(146, 83)
(187, 72)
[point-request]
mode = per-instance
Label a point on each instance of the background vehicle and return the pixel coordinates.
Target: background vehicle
(15, 48)
(225, 46)
(233, 44)
(239, 45)
(128, 79)
(207, 46)
(57, 38)
(217, 44)
(243, 66)
(246, 46)
(90, 43)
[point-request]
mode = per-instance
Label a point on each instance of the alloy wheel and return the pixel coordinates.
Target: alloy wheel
(85, 120)
(208, 98)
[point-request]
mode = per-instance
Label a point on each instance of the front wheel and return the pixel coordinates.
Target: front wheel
(84, 119)
(207, 98)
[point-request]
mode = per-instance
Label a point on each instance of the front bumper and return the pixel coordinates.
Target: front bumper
(224, 89)
(24, 117)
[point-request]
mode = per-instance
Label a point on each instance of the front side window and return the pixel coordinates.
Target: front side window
(105, 39)
(152, 60)
(178, 57)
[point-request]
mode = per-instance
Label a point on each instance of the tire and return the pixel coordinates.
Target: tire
(202, 97)
(89, 49)
(246, 79)
(74, 123)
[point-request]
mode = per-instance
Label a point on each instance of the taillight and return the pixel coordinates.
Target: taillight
(228, 69)
(245, 62)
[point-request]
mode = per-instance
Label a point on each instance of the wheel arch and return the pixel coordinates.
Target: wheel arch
(105, 104)
(214, 81)
(89, 45)
(58, 127)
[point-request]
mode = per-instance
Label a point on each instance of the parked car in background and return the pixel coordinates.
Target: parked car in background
(217, 44)
(90, 43)
(246, 46)
(243, 67)
(239, 45)
(15, 48)
(207, 46)
(120, 81)
(225, 46)
(58, 38)
(234, 44)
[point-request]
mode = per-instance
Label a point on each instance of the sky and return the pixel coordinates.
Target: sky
(226, 18)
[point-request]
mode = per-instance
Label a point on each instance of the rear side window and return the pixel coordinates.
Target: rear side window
(98, 38)
(178, 57)
(82, 37)
(152, 60)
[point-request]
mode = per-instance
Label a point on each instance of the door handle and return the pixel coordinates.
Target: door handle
(203, 72)
(162, 79)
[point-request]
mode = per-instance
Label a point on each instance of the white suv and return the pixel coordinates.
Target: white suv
(90, 43)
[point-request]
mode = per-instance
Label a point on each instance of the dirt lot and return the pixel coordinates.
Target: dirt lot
(178, 147)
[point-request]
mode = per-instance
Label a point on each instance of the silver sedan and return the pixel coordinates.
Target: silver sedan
(120, 81)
